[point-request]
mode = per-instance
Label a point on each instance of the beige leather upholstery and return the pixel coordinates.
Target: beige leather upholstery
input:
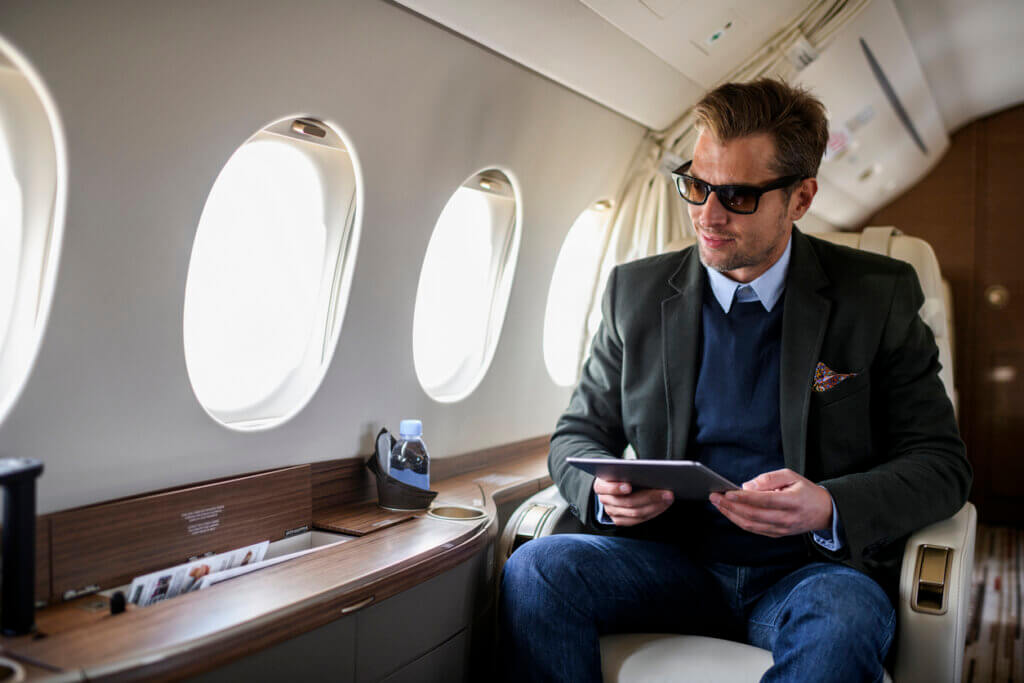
(929, 647)
(658, 657)
(666, 658)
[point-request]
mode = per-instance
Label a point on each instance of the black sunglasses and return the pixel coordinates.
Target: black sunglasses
(736, 198)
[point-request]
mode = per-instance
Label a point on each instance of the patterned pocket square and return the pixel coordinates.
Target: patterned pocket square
(826, 378)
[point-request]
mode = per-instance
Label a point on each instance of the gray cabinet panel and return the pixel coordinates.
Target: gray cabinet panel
(446, 664)
(410, 624)
(323, 654)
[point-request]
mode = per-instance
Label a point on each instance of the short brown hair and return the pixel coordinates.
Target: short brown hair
(791, 115)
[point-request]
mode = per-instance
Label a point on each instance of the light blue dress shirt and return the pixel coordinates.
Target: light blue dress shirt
(767, 289)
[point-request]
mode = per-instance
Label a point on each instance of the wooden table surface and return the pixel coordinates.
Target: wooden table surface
(198, 631)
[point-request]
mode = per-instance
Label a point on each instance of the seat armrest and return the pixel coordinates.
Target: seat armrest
(542, 514)
(932, 619)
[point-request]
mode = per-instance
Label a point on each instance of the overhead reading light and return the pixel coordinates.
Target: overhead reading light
(486, 184)
(304, 127)
(602, 205)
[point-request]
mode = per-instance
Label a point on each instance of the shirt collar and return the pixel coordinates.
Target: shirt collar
(767, 288)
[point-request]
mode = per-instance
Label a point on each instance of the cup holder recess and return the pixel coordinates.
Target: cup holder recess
(459, 513)
(10, 671)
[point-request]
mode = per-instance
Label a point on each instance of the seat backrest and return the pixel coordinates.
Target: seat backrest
(937, 311)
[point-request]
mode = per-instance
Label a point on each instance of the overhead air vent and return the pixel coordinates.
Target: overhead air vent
(890, 94)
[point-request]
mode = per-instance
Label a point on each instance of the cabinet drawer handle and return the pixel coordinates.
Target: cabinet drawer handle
(359, 605)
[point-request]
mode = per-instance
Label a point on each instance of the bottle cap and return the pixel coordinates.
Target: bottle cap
(410, 428)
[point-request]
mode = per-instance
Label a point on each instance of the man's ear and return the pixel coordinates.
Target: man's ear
(801, 198)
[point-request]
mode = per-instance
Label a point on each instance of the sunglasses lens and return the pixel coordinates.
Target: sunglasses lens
(692, 189)
(738, 199)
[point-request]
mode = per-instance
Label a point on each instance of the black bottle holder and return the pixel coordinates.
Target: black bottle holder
(393, 494)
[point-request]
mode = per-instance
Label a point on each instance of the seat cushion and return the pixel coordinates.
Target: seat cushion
(665, 658)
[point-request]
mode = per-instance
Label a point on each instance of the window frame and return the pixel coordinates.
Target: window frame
(472, 368)
(342, 233)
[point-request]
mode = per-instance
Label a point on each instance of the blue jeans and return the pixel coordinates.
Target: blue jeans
(559, 594)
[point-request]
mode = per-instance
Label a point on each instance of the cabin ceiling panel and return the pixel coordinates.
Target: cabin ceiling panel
(569, 43)
(703, 40)
(971, 54)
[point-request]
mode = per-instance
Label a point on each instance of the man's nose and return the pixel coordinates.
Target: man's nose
(712, 212)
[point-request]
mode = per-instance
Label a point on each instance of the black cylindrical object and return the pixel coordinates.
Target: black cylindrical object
(18, 545)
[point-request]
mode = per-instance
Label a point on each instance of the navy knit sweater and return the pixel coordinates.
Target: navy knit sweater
(737, 431)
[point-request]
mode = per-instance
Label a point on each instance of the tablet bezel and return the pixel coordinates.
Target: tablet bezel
(688, 479)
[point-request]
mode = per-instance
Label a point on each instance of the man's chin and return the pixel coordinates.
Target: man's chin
(719, 262)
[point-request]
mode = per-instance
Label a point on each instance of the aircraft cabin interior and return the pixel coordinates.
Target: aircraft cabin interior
(253, 254)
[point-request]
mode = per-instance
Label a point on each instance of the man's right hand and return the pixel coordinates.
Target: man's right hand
(627, 507)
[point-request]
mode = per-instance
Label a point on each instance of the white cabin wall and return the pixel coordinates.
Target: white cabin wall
(154, 98)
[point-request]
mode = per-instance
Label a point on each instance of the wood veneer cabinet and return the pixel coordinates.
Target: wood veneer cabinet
(396, 604)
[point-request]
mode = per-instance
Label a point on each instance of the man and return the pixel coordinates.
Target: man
(794, 366)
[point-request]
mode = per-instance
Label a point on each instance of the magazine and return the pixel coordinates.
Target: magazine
(167, 583)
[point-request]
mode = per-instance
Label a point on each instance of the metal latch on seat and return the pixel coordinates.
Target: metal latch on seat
(530, 524)
(931, 579)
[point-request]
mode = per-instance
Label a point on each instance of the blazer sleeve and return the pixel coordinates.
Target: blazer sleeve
(922, 475)
(592, 424)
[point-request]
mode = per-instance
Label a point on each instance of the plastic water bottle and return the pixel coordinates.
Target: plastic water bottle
(409, 459)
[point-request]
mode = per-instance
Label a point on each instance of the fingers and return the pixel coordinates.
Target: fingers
(752, 526)
(639, 498)
(769, 481)
(620, 493)
(776, 517)
(773, 500)
(796, 509)
(627, 507)
(632, 515)
(603, 486)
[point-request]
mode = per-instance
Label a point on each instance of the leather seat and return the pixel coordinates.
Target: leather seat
(938, 561)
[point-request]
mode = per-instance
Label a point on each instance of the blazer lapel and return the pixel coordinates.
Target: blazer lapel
(804, 320)
(680, 342)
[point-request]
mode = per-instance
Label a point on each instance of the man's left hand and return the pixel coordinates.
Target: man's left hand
(778, 503)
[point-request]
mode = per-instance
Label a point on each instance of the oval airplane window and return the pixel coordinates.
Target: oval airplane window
(270, 273)
(464, 286)
(33, 187)
(572, 285)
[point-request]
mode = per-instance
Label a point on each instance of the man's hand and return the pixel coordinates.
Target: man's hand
(779, 503)
(627, 507)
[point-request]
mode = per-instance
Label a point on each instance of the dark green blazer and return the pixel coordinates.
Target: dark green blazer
(884, 443)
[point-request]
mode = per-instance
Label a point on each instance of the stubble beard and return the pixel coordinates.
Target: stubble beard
(740, 259)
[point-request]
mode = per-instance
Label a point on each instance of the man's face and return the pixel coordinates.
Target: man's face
(742, 247)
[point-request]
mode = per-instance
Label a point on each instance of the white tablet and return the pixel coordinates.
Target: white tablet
(686, 478)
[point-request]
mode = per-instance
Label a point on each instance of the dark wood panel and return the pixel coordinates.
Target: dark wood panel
(941, 210)
(1006, 402)
(999, 333)
(43, 557)
(1002, 242)
(966, 208)
(108, 544)
(340, 482)
(491, 458)
(358, 519)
